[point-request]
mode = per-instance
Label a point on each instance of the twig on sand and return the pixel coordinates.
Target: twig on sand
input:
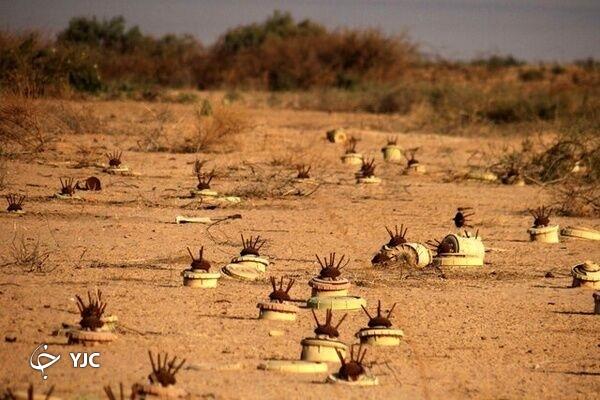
(218, 221)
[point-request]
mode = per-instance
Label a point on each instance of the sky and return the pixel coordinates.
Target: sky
(532, 30)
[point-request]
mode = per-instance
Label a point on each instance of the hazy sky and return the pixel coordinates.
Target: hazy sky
(529, 29)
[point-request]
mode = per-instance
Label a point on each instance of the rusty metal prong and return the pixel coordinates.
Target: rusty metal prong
(290, 284)
(362, 357)
(366, 311)
(315, 316)
(339, 262)
(179, 366)
(152, 361)
(191, 255)
(342, 360)
(341, 320)
(391, 310)
(319, 260)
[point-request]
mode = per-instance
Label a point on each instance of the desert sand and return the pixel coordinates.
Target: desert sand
(502, 331)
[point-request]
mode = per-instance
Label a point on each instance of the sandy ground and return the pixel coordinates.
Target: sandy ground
(501, 331)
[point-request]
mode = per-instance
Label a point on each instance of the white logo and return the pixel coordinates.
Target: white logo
(87, 360)
(80, 360)
(41, 366)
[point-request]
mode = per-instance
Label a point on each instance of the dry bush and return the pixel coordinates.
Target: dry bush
(22, 124)
(33, 125)
(261, 184)
(558, 160)
(577, 198)
(568, 166)
(511, 162)
(28, 255)
(392, 273)
(86, 156)
(258, 183)
(344, 70)
(154, 138)
(216, 132)
(74, 118)
(573, 155)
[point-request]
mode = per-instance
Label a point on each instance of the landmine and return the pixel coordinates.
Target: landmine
(392, 153)
(480, 174)
(249, 265)
(162, 380)
(67, 190)
(459, 251)
(366, 175)
(542, 231)
(15, 204)
(351, 156)
(91, 331)
(413, 166)
(329, 290)
(352, 372)
(199, 275)
(324, 347)
(336, 135)
(586, 275)
(329, 283)
(379, 331)
(278, 307)
(203, 189)
(28, 394)
(115, 165)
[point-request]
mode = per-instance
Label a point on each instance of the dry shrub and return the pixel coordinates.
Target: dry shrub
(154, 139)
(33, 126)
(260, 184)
(27, 254)
(21, 124)
(558, 160)
(392, 273)
(85, 156)
(568, 166)
(253, 190)
(573, 155)
(577, 199)
(216, 132)
(510, 163)
(75, 118)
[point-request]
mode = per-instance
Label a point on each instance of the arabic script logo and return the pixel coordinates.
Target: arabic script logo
(40, 366)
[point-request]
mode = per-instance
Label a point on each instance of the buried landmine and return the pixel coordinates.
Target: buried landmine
(249, 265)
